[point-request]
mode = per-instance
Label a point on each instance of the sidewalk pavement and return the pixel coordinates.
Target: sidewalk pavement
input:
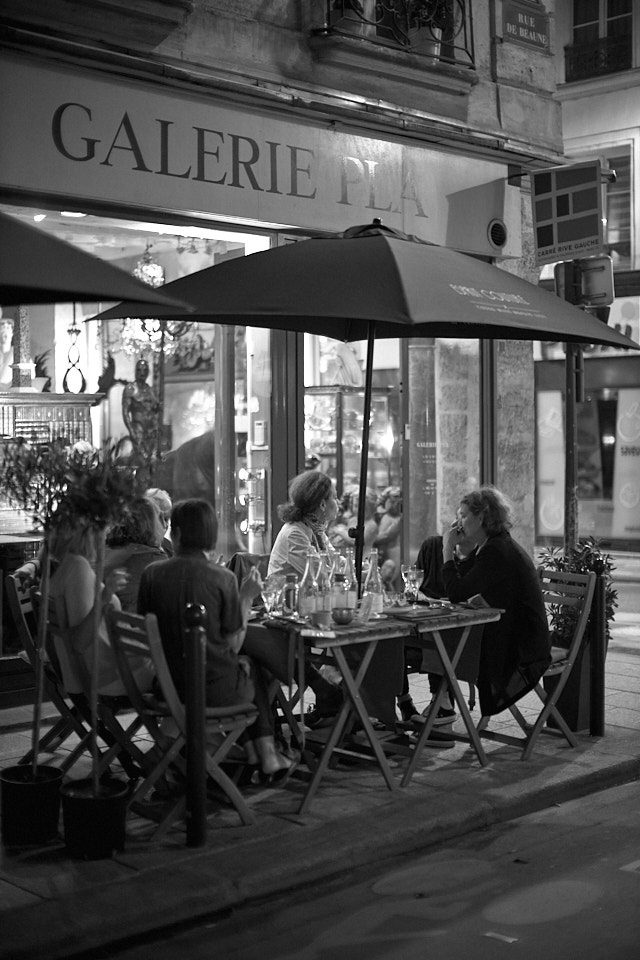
(54, 907)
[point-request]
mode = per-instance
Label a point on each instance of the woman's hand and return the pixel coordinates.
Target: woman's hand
(451, 538)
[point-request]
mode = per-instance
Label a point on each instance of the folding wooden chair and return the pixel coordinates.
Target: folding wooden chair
(71, 719)
(133, 635)
(567, 592)
(118, 738)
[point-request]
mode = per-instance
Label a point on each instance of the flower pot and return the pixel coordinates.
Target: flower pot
(94, 824)
(30, 807)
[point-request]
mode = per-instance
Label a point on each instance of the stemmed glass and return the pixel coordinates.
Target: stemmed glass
(412, 577)
(272, 592)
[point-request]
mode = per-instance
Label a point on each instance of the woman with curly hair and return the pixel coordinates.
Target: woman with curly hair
(515, 650)
(132, 544)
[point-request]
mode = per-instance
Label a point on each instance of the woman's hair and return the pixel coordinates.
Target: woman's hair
(492, 507)
(79, 537)
(162, 500)
(197, 524)
(141, 523)
(306, 492)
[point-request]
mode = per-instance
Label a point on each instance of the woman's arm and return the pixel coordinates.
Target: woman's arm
(250, 588)
(487, 576)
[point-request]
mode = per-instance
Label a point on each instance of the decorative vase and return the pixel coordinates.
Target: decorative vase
(94, 823)
(30, 806)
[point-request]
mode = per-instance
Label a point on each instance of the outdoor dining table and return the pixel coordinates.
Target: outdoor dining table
(451, 635)
(341, 642)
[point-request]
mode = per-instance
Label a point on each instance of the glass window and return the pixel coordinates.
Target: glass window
(202, 413)
(441, 458)
(617, 208)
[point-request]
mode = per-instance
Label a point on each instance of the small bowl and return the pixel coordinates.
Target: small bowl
(343, 615)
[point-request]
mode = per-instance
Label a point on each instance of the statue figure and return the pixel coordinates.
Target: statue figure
(140, 411)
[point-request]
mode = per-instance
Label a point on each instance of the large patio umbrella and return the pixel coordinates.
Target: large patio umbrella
(373, 282)
(36, 267)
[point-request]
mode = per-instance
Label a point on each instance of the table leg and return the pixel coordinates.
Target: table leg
(352, 703)
(449, 666)
(448, 679)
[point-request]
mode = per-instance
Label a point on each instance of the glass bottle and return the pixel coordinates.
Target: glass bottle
(373, 584)
(323, 580)
(290, 596)
(339, 597)
(308, 589)
(350, 578)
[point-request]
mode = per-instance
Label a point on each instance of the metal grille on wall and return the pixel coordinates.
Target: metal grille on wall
(440, 30)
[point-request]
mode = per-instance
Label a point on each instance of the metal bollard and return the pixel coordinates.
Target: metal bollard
(598, 645)
(194, 701)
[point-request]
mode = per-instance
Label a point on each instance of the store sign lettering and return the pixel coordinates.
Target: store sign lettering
(222, 159)
(229, 160)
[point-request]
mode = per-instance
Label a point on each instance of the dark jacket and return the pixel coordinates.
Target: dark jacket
(430, 561)
(515, 650)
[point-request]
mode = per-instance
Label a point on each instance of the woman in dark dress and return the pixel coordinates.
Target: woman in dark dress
(515, 650)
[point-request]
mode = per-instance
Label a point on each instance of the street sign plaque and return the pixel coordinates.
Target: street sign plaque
(567, 212)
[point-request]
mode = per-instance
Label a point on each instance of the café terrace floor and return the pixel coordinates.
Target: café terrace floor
(53, 906)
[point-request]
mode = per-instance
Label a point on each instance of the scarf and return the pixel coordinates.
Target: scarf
(318, 529)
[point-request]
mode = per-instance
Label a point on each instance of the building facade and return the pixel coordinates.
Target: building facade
(169, 135)
(598, 87)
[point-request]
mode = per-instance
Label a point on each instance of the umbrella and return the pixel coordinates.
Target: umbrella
(36, 267)
(373, 282)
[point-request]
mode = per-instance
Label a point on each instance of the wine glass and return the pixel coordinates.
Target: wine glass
(272, 592)
(418, 576)
(406, 571)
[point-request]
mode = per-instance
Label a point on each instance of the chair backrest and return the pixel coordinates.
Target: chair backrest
(133, 628)
(133, 636)
(568, 596)
(21, 607)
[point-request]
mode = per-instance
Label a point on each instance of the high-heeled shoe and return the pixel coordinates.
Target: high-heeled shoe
(279, 777)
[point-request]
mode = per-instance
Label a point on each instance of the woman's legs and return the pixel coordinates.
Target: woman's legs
(271, 652)
(260, 735)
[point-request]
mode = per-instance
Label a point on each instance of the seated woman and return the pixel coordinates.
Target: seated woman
(73, 583)
(515, 650)
(132, 544)
(167, 586)
(311, 508)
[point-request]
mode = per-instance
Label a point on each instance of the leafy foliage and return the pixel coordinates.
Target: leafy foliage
(587, 555)
(59, 484)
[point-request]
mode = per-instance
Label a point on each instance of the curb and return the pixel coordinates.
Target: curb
(199, 886)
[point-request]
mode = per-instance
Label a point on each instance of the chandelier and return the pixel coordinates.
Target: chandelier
(140, 337)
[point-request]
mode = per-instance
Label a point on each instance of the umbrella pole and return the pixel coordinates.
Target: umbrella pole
(364, 456)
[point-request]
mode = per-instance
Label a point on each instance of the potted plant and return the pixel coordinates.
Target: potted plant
(58, 485)
(587, 555)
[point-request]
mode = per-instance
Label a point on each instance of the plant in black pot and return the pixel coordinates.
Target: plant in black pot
(100, 489)
(66, 488)
(34, 479)
(587, 555)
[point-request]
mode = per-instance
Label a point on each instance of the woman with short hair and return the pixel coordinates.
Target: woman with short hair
(191, 577)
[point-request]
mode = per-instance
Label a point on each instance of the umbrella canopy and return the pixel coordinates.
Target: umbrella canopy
(338, 287)
(36, 267)
(373, 282)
